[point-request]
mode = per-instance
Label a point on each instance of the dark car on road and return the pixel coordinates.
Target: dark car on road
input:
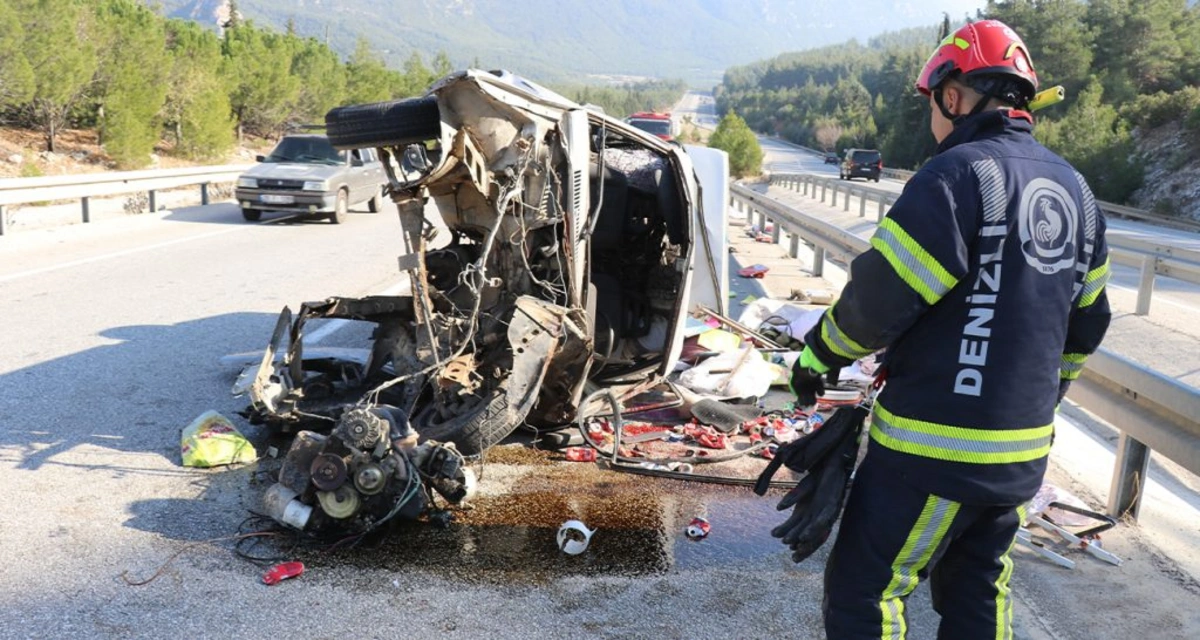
(831, 158)
(861, 163)
(305, 174)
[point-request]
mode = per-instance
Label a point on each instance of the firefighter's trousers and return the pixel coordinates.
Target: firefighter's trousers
(893, 535)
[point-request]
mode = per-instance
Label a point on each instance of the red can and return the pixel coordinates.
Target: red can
(698, 528)
(580, 454)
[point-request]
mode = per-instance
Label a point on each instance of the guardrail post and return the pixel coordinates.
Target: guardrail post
(882, 200)
(1146, 286)
(153, 208)
(794, 245)
(807, 181)
(762, 222)
(203, 193)
(749, 213)
(847, 205)
(862, 206)
(775, 233)
(1129, 478)
(3, 219)
(84, 204)
(833, 202)
(818, 268)
(824, 184)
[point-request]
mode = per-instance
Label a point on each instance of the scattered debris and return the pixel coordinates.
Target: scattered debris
(282, 571)
(573, 537)
(754, 271)
(698, 529)
(211, 440)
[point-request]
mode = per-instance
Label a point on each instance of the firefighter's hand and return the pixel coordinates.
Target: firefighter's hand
(807, 380)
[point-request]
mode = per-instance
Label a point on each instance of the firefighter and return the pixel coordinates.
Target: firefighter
(985, 283)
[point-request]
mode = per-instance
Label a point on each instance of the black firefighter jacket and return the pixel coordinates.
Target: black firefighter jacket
(985, 282)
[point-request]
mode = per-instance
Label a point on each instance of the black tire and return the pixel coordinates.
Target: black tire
(340, 207)
(876, 178)
(384, 124)
(251, 215)
(375, 204)
(484, 425)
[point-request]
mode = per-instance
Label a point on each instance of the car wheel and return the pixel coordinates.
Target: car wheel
(876, 178)
(340, 207)
(376, 202)
(477, 429)
(385, 124)
(252, 215)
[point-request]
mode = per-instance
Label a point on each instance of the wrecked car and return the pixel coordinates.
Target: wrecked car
(551, 252)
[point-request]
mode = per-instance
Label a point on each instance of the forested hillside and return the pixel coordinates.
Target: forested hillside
(1130, 68)
(138, 79)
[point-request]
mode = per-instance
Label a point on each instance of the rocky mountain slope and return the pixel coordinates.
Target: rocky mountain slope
(557, 39)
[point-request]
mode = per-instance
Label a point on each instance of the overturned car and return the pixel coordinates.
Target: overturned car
(550, 251)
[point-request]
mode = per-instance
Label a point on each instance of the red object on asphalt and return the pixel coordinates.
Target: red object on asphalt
(698, 528)
(581, 454)
(281, 572)
(753, 271)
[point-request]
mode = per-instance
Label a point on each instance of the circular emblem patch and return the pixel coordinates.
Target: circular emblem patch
(1048, 219)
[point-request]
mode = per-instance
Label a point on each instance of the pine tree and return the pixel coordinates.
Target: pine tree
(197, 108)
(131, 80)
(61, 53)
(16, 76)
(367, 78)
(734, 137)
(257, 64)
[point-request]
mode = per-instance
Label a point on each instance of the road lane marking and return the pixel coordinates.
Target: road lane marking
(115, 254)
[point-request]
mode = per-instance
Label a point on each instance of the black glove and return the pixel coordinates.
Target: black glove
(817, 501)
(803, 454)
(808, 384)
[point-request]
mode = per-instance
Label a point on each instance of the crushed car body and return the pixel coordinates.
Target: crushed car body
(550, 251)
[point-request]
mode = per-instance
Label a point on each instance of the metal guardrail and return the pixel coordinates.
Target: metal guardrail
(1154, 259)
(1150, 409)
(1109, 208)
(86, 186)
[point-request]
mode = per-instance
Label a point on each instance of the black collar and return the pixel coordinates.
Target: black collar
(987, 125)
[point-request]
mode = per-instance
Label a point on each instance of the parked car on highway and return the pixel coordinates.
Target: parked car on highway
(831, 158)
(865, 163)
(305, 173)
(561, 274)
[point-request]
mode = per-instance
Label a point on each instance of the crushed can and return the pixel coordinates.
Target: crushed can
(813, 423)
(698, 529)
(580, 454)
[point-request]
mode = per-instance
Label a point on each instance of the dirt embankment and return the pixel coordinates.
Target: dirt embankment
(23, 154)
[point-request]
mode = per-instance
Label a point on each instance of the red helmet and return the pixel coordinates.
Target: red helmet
(979, 50)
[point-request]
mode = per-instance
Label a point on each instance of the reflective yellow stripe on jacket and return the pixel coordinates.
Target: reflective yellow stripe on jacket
(959, 444)
(1093, 284)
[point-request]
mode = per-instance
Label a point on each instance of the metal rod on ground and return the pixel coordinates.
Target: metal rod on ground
(1129, 477)
(1146, 285)
(744, 330)
(84, 203)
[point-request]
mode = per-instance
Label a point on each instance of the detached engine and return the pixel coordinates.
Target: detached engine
(366, 472)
